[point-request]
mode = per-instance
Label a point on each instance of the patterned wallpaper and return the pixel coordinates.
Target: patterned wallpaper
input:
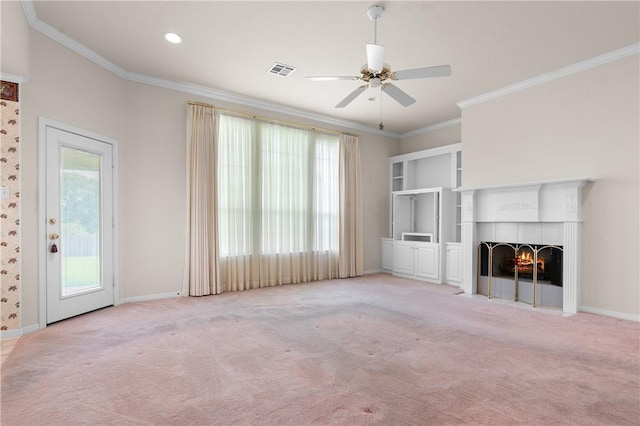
(10, 207)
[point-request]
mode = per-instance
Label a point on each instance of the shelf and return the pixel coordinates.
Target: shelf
(417, 236)
(417, 191)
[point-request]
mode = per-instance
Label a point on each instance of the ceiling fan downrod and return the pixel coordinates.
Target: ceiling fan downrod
(374, 12)
(375, 52)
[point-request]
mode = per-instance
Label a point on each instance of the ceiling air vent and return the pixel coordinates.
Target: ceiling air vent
(281, 69)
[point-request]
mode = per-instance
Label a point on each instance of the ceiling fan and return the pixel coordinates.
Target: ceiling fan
(376, 73)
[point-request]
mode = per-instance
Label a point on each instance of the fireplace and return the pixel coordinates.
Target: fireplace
(529, 273)
(522, 242)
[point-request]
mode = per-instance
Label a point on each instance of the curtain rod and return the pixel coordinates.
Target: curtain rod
(269, 119)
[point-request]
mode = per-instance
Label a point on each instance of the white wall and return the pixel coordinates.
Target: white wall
(150, 126)
(14, 45)
(582, 125)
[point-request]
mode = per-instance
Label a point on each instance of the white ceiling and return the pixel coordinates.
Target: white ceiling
(229, 46)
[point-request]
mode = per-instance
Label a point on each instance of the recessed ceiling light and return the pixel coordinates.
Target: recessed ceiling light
(173, 38)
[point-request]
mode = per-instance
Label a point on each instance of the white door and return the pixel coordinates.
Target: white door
(79, 224)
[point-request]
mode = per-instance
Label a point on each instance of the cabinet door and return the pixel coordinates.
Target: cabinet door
(454, 265)
(403, 258)
(387, 255)
(427, 261)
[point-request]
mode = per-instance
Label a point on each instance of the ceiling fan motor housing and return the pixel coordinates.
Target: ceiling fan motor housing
(367, 74)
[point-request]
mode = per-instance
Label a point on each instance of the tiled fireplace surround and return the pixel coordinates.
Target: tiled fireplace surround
(541, 213)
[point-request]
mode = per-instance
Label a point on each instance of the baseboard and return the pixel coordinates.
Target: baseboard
(619, 315)
(149, 297)
(18, 332)
(372, 271)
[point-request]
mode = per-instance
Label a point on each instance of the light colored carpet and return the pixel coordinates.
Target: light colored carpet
(371, 350)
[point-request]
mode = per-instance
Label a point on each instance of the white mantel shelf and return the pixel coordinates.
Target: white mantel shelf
(583, 180)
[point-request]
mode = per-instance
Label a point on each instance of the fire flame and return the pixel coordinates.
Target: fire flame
(525, 259)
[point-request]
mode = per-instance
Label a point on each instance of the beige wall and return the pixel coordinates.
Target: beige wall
(14, 44)
(152, 213)
(583, 125)
(374, 155)
(150, 126)
(152, 201)
(431, 139)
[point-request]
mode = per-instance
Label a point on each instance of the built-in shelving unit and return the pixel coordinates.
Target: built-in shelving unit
(425, 214)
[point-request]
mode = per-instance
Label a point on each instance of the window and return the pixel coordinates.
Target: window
(278, 189)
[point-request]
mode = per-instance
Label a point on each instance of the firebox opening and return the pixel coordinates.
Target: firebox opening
(513, 271)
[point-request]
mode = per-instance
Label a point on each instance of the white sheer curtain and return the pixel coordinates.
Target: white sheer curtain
(201, 262)
(279, 204)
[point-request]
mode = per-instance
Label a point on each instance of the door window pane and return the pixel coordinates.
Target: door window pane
(80, 198)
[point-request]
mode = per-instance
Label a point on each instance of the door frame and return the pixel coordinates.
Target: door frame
(43, 244)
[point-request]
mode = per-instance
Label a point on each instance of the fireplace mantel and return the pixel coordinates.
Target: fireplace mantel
(532, 205)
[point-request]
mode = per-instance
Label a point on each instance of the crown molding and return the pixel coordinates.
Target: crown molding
(437, 126)
(606, 58)
(82, 50)
(220, 95)
(65, 40)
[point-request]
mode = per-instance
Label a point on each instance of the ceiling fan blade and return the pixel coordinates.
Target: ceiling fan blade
(400, 96)
(439, 71)
(351, 96)
(333, 77)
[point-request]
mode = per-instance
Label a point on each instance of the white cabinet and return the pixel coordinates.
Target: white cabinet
(416, 260)
(387, 254)
(453, 263)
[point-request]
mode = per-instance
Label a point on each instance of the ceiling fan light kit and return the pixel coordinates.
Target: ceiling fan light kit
(375, 72)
